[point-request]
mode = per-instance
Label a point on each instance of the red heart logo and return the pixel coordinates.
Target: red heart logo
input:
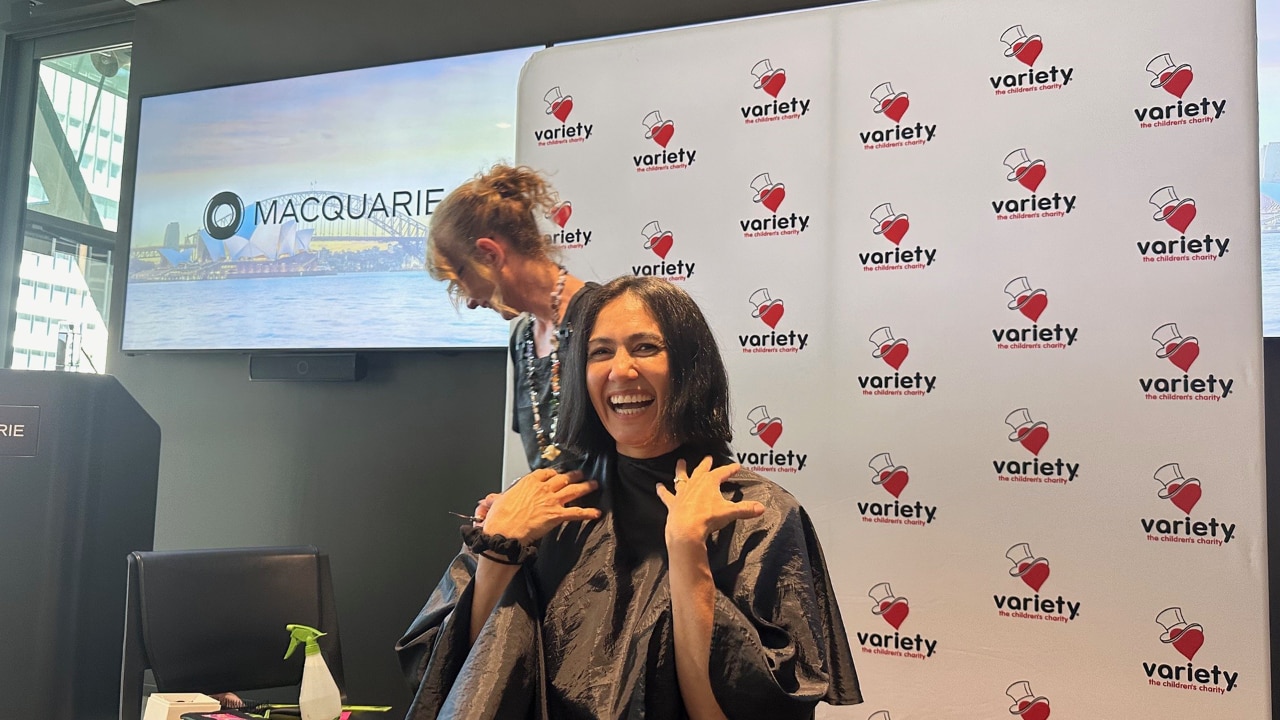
(895, 108)
(1034, 438)
(662, 134)
(1028, 51)
(1032, 178)
(769, 431)
(1038, 710)
(1184, 356)
(661, 245)
(1033, 305)
(772, 313)
(773, 197)
(1036, 576)
(561, 213)
(1189, 642)
(893, 481)
(561, 108)
(894, 613)
(1180, 219)
(773, 82)
(893, 355)
(1176, 83)
(1186, 499)
(896, 229)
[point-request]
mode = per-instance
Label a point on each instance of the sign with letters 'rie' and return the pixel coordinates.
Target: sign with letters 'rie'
(19, 430)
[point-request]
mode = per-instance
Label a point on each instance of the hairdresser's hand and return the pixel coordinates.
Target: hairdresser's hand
(482, 509)
(697, 508)
(536, 505)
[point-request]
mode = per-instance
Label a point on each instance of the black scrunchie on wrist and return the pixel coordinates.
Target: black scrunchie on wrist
(498, 548)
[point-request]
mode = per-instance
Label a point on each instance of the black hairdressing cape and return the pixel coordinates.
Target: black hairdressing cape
(586, 631)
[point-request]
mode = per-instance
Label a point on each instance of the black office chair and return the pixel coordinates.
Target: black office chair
(214, 621)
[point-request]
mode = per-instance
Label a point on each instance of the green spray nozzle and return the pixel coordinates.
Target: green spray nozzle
(303, 634)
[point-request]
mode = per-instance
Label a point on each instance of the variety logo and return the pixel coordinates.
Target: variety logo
(893, 352)
(770, 311)
(661, 132)
(894, 611)
(770, 195)
(769, 431)
(1026, 704)
(660, 242)
(1031, 304)
(1178, 213)
(1187, 639)
(1182, 352)
(771, 81)
(893, 479)
(566, 237)
(1175, 79)
(1033, 572)
(1026, 50)
(1030, 174)
(893, 226)
(1184, 494)
(893, 106)
(560, 107)
(1032, 436)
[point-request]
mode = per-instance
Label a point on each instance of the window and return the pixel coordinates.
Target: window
(77, 124)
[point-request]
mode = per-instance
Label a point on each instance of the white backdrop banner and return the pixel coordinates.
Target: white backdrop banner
(986, 278)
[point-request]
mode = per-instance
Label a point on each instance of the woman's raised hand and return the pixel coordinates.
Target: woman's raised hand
(697, 508)
(536, 505)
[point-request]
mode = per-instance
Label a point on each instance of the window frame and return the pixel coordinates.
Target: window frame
(20, 56)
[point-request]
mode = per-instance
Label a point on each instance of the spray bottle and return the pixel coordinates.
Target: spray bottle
(318, 698)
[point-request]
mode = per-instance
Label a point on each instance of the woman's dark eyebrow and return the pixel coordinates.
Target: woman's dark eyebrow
(653, 337)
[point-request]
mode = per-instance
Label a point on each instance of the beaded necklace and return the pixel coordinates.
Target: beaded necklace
(546, 441)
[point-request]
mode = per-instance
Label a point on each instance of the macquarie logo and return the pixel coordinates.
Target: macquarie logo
(1183, 494)
(1032, 435)
(559, 108)
(566, 237)
(1030, 304)
(892, 106)
(661, 242)
(661, 131)
(769, 310)
(768, 430)
(893, 479)
(1177, 213)
(893, 352)
(894, 611)
(226, 215)
(1182, 353)
(1028, 174)
(1026, 704)
(770, 81)
(1175, 79)
(894, 226)
(1186, 639)
(1033, 571)
(770, 195)
(1026, 50)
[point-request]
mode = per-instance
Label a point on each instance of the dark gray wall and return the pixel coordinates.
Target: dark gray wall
(365, 470)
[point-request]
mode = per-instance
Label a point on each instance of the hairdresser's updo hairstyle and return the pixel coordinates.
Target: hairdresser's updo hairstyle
(504, 204)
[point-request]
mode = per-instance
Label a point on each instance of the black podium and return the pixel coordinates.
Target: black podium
(79, 460)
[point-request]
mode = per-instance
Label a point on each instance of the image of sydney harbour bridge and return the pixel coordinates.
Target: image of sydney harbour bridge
(291, 246)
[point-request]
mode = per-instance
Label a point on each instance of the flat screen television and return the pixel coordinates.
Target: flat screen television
(1269, 156)
(292, 214)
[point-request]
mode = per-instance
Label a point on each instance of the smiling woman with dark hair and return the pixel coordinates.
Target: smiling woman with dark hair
(685, 587)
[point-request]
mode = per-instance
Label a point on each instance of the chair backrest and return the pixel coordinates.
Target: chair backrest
(214, 620)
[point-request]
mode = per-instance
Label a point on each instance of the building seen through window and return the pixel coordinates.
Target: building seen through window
(73, 200)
